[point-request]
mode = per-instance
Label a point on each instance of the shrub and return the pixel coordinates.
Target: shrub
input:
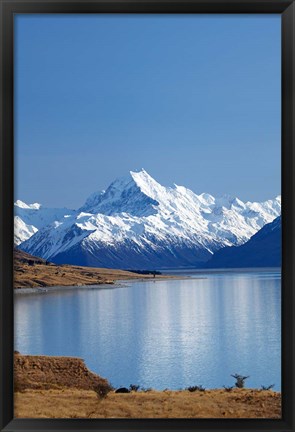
(267, 387)
(240, 380)
(195, 388)
(101, 391)
(228, 389)
(134, 387)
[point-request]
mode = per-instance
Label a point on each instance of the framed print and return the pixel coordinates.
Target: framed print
(147, 215)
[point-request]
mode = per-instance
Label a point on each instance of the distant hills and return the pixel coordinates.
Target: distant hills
(262, 250)
(139, 224)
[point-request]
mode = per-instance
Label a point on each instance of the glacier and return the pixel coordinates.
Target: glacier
(137, 223)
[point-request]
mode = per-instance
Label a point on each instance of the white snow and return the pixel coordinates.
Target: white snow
(138, 210)
(22, 204)
(29, 218)
(22, 231)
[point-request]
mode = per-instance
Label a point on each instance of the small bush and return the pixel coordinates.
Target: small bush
(240, 380)
(227, 389)
(267, 387)
(195, 388)
(134, 387)
(101, 391)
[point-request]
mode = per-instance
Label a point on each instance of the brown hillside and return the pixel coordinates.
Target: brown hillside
(25, 258)
(33, 272)
(44, 372)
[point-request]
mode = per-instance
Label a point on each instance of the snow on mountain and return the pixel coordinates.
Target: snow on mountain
(138, 223)
(29, 218)
(132, 194)
(262, 250)
(23, 205)
(22, 231)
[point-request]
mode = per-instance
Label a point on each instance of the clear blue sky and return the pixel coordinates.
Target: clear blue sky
(195, 100)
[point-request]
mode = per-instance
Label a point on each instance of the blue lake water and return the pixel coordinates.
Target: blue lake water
(163, 334)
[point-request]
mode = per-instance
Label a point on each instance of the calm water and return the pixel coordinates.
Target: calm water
(163, 334)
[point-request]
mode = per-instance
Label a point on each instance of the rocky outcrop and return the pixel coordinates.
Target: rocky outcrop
(46, 372)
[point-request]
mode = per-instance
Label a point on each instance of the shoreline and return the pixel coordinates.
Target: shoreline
(33, 275)
(120, 283)
(60, 288)
(39, 276)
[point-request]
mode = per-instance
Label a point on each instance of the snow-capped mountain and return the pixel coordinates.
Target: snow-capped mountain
(29, 218)
(138, 223)
(262, 250)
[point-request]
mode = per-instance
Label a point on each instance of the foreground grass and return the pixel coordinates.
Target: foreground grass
(63, 387)
(74, 403)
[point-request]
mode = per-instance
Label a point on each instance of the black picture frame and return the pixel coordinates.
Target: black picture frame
(287, 10)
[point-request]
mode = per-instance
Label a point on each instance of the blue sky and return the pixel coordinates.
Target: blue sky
(195, 100)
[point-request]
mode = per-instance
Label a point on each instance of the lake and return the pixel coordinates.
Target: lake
(163, 334)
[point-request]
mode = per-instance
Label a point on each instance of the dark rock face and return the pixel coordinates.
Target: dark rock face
(262, 250)
(129, 256)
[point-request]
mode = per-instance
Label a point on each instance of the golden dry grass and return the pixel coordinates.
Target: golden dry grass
(63, 387)
(32, 272)
(74, 403)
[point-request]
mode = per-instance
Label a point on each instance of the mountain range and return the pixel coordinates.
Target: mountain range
(29, 218)
(262, 250)
(137, 223)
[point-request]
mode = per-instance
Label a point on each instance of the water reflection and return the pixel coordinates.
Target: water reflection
(172, 333)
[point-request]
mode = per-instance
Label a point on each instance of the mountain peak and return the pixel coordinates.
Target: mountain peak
(135, 194)
(138, 222)
(147, 184)
(22, 204)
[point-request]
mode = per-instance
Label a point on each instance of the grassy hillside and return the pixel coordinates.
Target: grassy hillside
(32, 272)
